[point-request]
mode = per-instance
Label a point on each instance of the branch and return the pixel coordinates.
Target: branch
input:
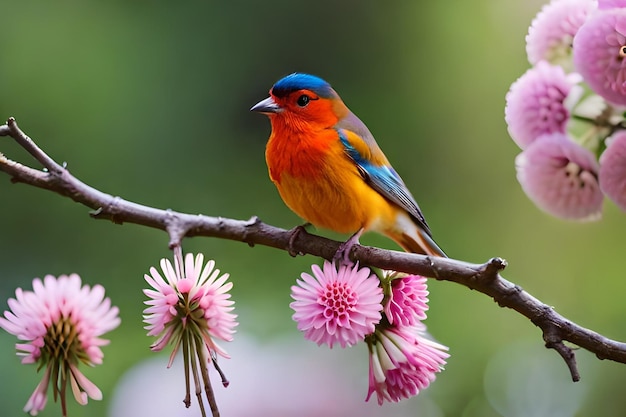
(484, 278)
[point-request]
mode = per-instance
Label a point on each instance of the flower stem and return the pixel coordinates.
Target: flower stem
(205, 376)
(64, 372)
(196, 378)
(186, 363)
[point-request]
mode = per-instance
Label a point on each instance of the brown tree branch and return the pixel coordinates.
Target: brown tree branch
(484, 278)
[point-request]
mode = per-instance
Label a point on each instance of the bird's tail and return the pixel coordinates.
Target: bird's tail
(418, 241)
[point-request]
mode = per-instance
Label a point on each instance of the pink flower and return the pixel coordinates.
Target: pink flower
(561, 178)
(192, 293)
(337, 306)
(609, 4)
(551, 33)
(61, 322)
(600, 51)
(536, 103)
(613, 169)
(402, 362)
(408, 301)
(189, 308)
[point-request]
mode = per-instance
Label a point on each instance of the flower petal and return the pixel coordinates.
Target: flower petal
(613, 170)
(560, 177)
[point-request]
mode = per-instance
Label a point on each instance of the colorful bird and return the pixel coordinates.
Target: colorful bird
(329, 170)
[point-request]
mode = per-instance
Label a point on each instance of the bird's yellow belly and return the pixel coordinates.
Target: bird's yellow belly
(343, 203)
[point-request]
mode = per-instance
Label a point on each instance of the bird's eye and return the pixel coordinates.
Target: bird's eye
(303, 100)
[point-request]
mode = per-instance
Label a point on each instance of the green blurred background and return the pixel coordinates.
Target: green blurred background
(149, 101)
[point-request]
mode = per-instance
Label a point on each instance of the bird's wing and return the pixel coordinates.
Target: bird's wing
(361, 147)
(369, 147)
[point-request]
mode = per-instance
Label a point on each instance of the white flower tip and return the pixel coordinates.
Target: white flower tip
(96, 395)
(574, 96)
(591, 107)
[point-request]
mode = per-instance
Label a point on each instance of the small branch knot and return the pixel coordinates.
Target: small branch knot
(433, 267)
(491, 269)
(253, 221)
(96, 213)
(113, 210)
(248, 225)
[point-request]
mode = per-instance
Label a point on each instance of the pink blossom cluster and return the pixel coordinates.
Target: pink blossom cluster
(346, 305)
(567, 112)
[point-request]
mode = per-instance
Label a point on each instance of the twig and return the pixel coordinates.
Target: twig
(484, 278)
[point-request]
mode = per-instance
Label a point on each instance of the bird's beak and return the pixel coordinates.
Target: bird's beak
(267, 106)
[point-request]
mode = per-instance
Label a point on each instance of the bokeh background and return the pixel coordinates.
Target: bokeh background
(149, 101)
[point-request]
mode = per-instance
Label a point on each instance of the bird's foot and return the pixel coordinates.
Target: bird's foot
(342, 256)
(293, 236)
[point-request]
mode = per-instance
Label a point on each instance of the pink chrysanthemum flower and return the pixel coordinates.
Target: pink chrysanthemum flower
(613, 169)
(337, 306)
(600, 53)
(551, 33)
(61, 322)
(610, 4)
(407, 302)
(189, 308)
(536, 103)
(561, 178)
(403, 361)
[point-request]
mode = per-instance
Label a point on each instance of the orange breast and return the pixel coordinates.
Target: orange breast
(318, 181)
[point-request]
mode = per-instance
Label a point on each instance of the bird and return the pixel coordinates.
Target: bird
(330, 171)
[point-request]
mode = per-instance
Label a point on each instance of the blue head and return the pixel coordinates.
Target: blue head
(299, 81)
